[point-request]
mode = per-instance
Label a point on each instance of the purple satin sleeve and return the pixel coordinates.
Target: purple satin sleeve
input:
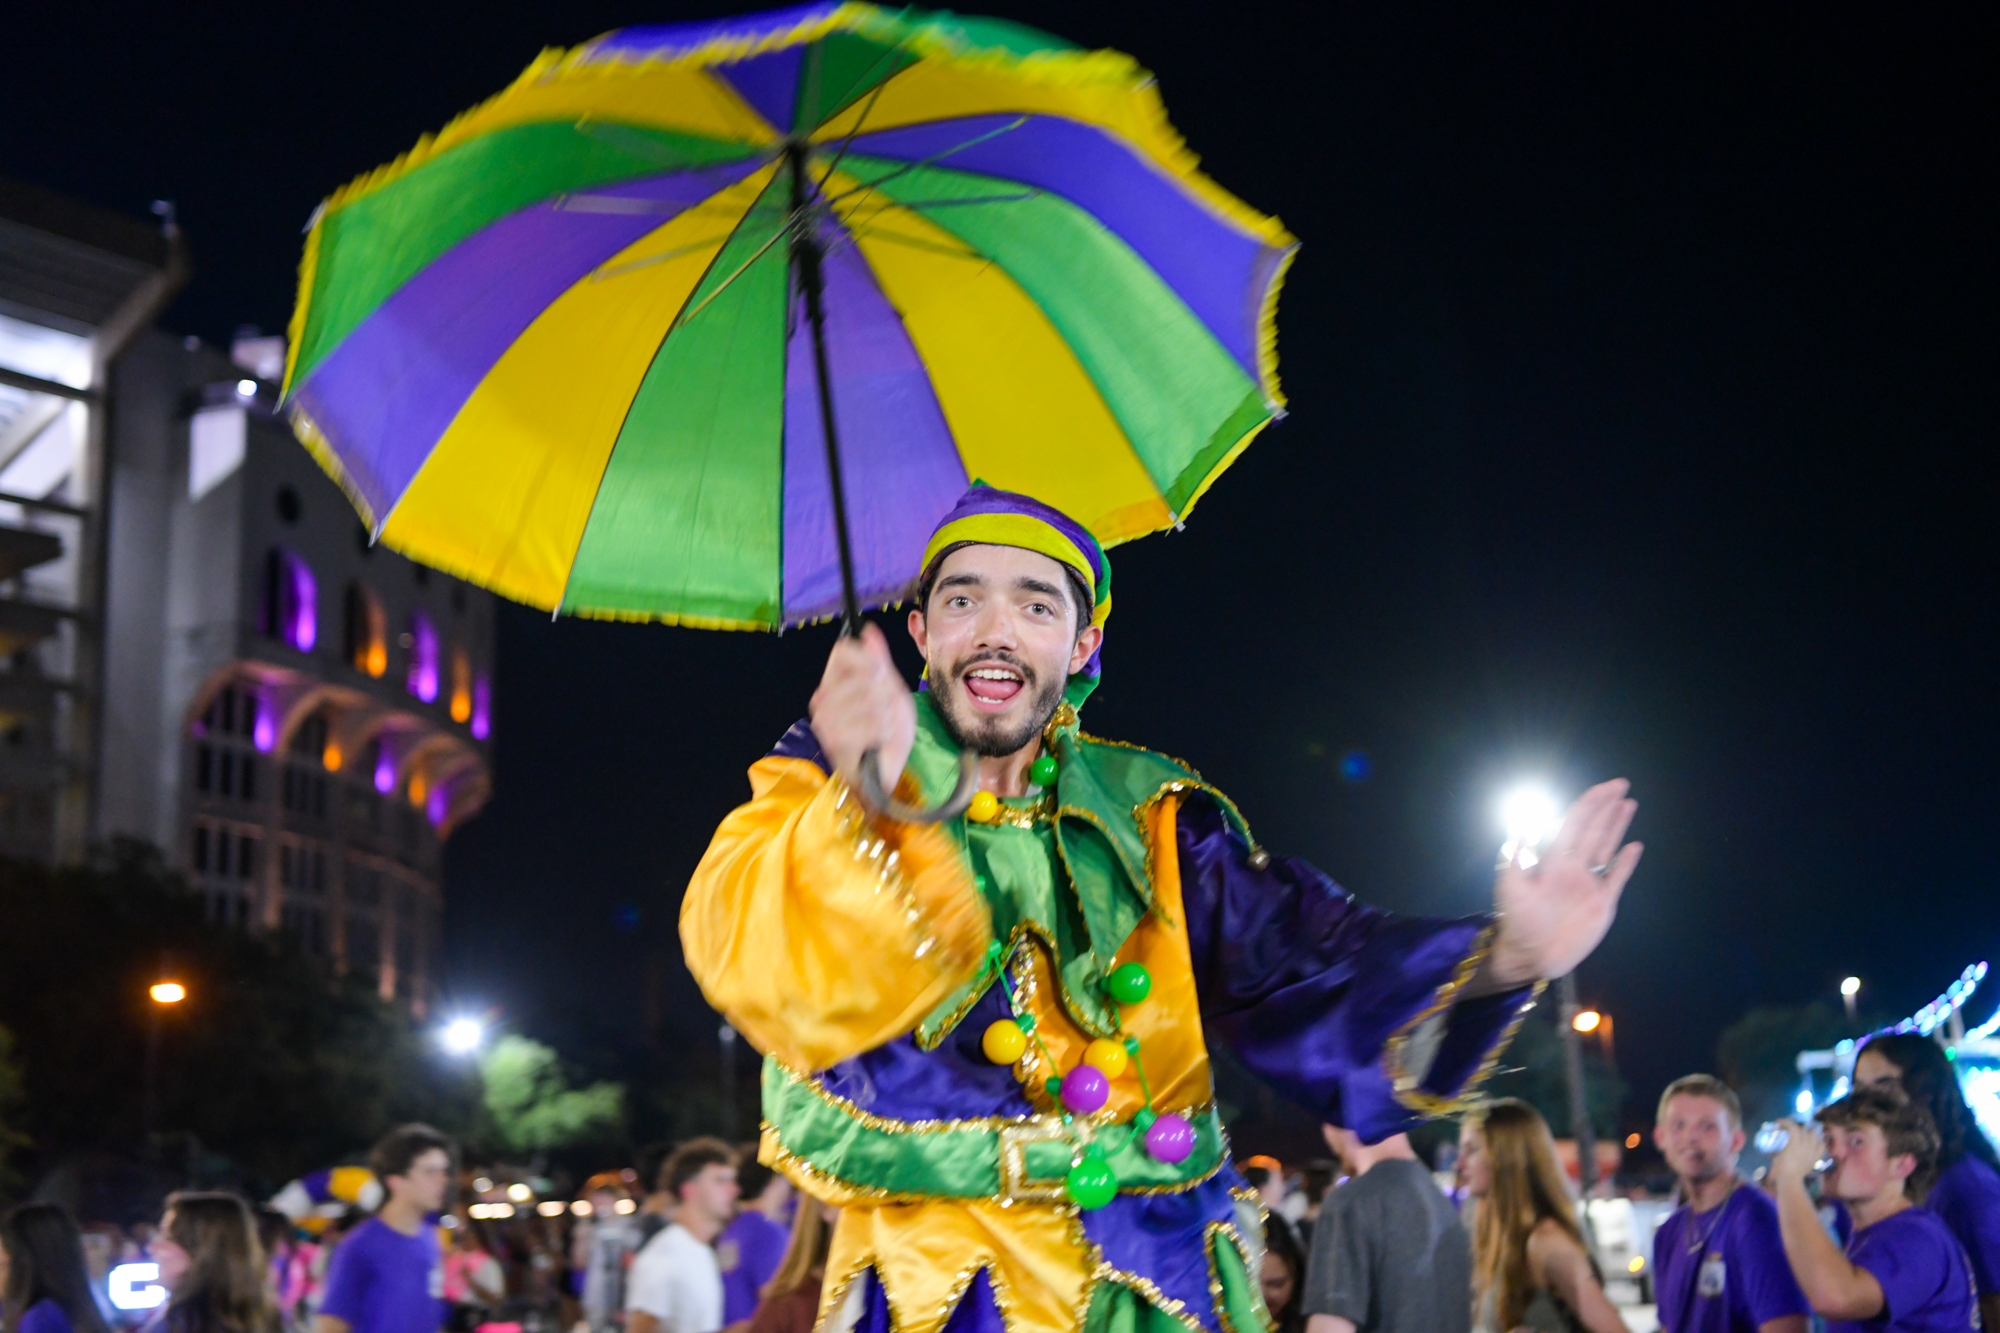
(1309, 987)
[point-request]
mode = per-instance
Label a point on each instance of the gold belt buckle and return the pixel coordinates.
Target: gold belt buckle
(1015, 1186)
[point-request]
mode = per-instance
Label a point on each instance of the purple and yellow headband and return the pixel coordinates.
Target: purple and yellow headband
(993, 517)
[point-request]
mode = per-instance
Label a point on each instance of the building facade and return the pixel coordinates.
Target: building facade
(299, 718)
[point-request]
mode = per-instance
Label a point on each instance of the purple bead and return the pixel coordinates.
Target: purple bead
(1084, 1089)
(1170, 1139)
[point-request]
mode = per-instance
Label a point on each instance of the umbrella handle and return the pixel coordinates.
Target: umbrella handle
(869, 774)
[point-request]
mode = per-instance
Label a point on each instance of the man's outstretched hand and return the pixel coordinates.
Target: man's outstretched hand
(1554, 912)
(863, 704)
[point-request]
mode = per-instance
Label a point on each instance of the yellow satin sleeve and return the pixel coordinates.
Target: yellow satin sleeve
(821, 932)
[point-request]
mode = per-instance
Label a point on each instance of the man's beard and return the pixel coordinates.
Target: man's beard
(983, 735)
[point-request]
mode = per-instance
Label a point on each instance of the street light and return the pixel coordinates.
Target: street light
(1586, 1020)
(1849, 988)
(462, 1036)
(1530, 817)
(165, 994)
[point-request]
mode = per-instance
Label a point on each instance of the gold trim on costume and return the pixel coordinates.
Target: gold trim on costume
(1407, 1086)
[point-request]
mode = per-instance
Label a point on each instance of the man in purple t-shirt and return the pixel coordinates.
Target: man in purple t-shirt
(1901, 1272)
(1718, 1263)
(753, 1245)
(387, 1276)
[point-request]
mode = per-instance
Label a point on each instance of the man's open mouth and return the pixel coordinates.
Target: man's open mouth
(993, 685)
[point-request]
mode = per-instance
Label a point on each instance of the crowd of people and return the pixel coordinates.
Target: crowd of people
(1901, 1231)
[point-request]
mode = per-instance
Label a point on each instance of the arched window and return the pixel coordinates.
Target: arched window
(423, 677)
(367, 632)
(461, 685)
(291, 600)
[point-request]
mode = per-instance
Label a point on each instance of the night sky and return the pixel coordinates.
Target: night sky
(1642, 372)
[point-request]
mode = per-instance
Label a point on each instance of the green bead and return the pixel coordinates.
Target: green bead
(1130, 983)
(1026, 1022)
(1131, 1045)
(1090, 1183)
(1043, 771)
(1053, 1087)
(1144, 1120)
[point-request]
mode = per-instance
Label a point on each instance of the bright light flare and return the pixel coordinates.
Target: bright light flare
(1586, 1020)
(581, 1208)
(1530, 816)
(1803, 1103)
(246, 388)
(1851, 986)
(550, 1208)
(1631, 1140)
(1635, 1265)
(166, 992)
(625, 1206)
(519, 1193)
(462, 1036)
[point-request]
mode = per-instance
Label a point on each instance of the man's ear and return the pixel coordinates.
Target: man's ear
(1903, 1165)
(919, 633)
(1086, 644)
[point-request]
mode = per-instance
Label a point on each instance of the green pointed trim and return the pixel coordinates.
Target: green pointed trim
(1105, 791)
(370, 247)
(961, 1159)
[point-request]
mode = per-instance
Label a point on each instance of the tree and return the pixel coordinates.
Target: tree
(272, 1061)
(1758, 1053)
(1533, 1070)
(534, 1109)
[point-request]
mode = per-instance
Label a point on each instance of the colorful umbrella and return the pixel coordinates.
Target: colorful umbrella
(591, 345)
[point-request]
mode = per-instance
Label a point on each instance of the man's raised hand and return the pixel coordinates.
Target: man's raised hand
(1554, 912)
(863, 704)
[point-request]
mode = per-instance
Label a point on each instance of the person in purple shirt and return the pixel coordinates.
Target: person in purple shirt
(1901, 1270)
(1718, 1263)
(1966, 1195)
(43, 1279)
(752, 1246)
(388, 1274)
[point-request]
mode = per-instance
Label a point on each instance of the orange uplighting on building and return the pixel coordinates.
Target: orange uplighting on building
(418, 789)
(168, 992)
(331, 757)
(1631, 1140)
(1587, 1020)
(461, 686)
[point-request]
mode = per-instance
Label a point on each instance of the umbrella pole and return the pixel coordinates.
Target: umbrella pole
(808, 255)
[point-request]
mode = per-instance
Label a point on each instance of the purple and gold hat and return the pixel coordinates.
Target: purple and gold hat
(993, 517)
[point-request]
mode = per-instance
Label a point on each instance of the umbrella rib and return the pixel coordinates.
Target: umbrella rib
(723, 286)
(633, 265)
(933, 159)
(626, 137)
(628, 205)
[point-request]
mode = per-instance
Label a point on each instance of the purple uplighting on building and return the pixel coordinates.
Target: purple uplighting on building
(438, 804)
(264, 730)
(385, 767)
(423, 678)
(302, 611)
(482, 708)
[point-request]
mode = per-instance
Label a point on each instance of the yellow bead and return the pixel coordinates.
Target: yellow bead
(1004, 1042)
(985, 808)
(1107, 1056)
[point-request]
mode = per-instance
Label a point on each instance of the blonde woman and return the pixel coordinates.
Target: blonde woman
(790, 1300)
(1530, 1269)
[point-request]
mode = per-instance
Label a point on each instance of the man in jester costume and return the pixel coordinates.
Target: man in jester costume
(986, 1040)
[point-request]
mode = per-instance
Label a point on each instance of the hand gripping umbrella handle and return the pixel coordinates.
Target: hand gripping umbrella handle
(807, 257)
(869, 774)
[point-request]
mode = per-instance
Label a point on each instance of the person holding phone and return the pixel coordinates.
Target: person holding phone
(1901, 1270)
